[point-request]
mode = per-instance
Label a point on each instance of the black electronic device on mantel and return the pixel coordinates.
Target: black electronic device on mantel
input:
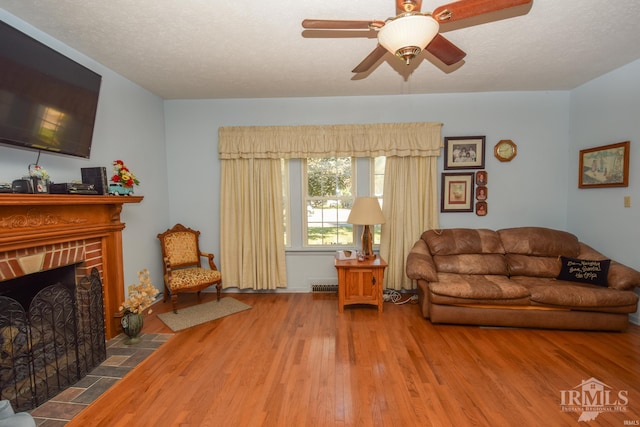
(48, 101)
(97, 177)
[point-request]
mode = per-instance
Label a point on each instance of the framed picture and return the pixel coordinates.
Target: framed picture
(605, 166)
(457, 192)
(464, 152)
(482, 193)
(481, 208)
(482, 178)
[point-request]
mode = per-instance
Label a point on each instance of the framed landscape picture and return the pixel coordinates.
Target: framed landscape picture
(457, 193)
(464, 152)
(605, 166)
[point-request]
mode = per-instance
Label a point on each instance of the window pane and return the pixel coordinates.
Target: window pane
(328, 201)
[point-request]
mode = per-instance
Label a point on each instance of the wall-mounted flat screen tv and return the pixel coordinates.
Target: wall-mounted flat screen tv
(48, 102)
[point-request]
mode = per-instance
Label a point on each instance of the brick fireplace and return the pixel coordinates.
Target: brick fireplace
(40, 232)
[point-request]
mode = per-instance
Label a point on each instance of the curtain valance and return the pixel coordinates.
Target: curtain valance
(296, 142)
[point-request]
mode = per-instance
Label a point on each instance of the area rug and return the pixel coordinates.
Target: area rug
(202, 313)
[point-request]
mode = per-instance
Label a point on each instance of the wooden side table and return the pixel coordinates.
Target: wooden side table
(360, 282)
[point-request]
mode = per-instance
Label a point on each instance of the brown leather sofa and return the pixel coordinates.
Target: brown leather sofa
(509, 278)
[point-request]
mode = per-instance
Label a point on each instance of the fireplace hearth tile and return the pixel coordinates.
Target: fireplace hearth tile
(87, 381)
(58, 410)
(69, 394)
(115, 360)
(111, 371)
(95, 391)
(67, 404)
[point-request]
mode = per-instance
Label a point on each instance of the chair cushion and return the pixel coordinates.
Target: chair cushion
(181, 248)
(192, 277)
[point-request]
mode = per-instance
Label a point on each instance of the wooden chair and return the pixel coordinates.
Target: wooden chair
(183, 271)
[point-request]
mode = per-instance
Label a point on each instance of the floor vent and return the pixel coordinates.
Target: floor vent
(323, 285)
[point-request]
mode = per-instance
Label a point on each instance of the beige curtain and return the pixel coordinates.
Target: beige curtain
(410, 206)
(252, 248)
(251, 245)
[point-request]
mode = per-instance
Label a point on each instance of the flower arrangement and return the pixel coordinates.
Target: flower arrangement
(141, 295)
(122, 174)
(37, 171)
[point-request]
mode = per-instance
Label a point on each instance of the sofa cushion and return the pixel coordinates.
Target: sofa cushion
(456, 241)
(585, 271)
(571, 295)
(483, 289)
(539, 241)
(534, 266)
(472, 264)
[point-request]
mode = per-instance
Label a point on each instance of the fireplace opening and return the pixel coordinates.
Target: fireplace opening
(51, 334)
(24, 289)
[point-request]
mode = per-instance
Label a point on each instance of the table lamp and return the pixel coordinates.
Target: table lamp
(366, 211)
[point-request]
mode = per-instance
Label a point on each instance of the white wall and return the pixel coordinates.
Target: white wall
(129, 126)
(530, 190)
(606, 111)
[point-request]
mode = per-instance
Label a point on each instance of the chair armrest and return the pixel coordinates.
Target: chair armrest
(167, 269)
(212, 265)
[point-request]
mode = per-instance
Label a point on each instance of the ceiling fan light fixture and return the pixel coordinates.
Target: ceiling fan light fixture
(407, 35)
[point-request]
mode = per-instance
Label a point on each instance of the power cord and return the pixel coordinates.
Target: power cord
(396, 297)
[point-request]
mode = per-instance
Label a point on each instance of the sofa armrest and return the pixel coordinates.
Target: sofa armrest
(620, 276)
(420, 263)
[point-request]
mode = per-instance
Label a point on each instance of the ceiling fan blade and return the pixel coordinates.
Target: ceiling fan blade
(408, 5)
(469, 8)
(371, 59)
(444, 50)
(327, 24)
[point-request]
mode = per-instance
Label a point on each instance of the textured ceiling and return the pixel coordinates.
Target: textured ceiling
(226, 49)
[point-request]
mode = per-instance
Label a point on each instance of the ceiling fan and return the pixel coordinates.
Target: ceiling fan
(412, 31)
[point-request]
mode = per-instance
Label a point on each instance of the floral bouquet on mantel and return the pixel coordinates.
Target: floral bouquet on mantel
(141, 295)
(123, 175)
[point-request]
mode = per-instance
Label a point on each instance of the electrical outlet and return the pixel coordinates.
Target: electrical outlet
(627, 201)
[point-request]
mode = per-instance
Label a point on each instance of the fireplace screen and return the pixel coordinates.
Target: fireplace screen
(53, 344)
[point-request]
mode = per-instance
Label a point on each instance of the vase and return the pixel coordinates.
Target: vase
(132, 326)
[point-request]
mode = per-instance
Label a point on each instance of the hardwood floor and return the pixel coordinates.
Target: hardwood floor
(293, 360)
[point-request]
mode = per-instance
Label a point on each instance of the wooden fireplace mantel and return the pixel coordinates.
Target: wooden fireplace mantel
(37, 220)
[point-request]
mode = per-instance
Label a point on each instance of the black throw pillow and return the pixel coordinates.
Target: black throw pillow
(585, 271)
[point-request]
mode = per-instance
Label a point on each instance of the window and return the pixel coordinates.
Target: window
(328, 192)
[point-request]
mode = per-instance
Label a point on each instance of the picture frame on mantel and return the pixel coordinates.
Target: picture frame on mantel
(604, 166)
(464, 152)
(457, 193)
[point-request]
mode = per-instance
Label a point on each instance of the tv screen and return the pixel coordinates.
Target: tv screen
(47, 101)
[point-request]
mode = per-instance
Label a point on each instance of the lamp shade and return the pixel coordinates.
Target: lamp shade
(366, 211)
(409, 33)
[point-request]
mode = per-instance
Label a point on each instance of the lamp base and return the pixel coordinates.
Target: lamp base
(367, 243)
